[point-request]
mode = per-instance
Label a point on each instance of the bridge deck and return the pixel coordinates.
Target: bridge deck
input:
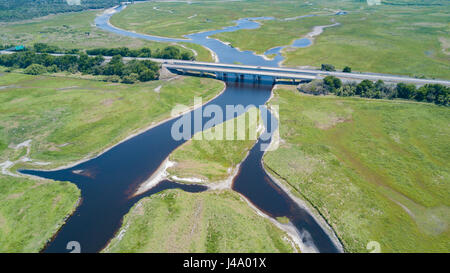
(240, 71)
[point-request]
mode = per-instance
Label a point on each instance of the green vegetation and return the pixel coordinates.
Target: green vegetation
(377, 170)
(434, 93)
(327, 67)
(35, 69)
(213, 221)
(215, 160)
(68, 119)
(36, 64)
(32, 211)
(400, 40)
(27, 9)
(77, 31)
(169, 52)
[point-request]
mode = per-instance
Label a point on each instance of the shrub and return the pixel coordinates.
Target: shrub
(130, 79)
(347, 69)
(35, 69)
(113, 78)
(328, 67)
(147, 75)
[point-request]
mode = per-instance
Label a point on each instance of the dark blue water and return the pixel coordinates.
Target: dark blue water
(108, 181)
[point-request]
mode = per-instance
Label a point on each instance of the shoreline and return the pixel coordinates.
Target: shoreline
(309, 208)
(304, 204)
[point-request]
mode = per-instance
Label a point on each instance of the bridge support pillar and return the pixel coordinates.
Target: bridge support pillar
(242, 77)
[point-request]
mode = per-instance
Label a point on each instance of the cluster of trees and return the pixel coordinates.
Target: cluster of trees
(169, 52)
(435, 93)
(116, 69)
(330, 67)
(14, 10)
(46, 48)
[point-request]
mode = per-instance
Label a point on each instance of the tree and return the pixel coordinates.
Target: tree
(145, 52)
(347, 69)
(364, 87)
(35, 69)
(405, 91)
(147, 75)
(187, 56)
(328, 67)
(170, 52)
(332, 83)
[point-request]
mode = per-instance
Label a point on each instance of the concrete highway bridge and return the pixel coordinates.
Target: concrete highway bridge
(237, 71)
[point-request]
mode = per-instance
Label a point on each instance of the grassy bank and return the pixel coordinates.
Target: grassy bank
(32, 211)
(77, 30)
(400, 40)
(215, 160)
(377, 170)
(68, 119)
(214, 221)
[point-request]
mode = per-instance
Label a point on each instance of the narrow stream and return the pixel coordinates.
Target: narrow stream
(108, 181)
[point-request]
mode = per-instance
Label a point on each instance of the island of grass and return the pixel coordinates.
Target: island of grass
(216, 160)
(51, 121)
(212, 221)
(376, 170)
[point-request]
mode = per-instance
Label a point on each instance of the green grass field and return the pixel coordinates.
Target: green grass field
(68, 119)
(400, 40)
(31, 212)
(77, 30)
(215, 160)
(213, 221)
(376, 170)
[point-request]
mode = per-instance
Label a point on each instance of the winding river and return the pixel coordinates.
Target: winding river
(108, 182)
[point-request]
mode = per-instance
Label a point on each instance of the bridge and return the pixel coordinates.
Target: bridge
(238, 73)
(224, 71)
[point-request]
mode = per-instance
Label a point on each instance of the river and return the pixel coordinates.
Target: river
(108, 182)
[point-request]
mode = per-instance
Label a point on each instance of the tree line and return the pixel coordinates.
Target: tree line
(169, 52)
(116, 69)
(433, 93)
